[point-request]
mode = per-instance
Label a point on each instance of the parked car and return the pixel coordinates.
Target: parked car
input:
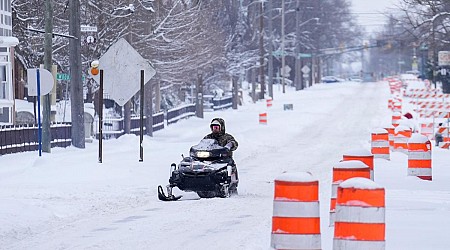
(355, 79)
(330, 79)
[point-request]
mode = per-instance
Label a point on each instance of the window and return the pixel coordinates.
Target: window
(3, 83)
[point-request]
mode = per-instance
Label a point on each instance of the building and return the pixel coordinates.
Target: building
(7, 43)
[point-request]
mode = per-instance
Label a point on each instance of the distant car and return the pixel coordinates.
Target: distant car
(330, 79)
(355, 79)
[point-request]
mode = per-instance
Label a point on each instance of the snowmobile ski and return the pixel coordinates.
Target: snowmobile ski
(164, 197)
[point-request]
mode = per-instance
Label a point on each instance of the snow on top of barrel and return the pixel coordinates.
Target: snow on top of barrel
(350, 164)
(379, 131)
(296, 177)
(360, 183)
(418, 138)
(401, 128)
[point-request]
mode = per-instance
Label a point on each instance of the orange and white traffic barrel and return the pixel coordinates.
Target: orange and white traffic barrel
(263, 118)
(361, 155)
(296, 215)
(360, 215)
(380, 143)
(342, 171)
(419, 157)
(269, 102)
(401, 137)
(391, 131)
(397, 106)
(396, 116)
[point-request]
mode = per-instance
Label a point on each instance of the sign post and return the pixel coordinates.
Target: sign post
(125, 73)
(40, 82)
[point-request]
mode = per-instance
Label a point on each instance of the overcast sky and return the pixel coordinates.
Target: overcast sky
(367, 12)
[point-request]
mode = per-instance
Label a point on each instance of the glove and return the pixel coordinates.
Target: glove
(229, 145)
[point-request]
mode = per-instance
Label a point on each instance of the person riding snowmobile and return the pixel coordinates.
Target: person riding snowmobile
(218, 133)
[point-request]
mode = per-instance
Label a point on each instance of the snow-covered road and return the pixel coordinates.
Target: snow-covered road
(66, 200)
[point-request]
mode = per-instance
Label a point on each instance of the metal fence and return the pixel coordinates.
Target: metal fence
(21, 138)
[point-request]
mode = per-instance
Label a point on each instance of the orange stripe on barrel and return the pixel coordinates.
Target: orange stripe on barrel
(419, 163)
(298, 191)
(360, 231)
(285, 225)
(371, 197)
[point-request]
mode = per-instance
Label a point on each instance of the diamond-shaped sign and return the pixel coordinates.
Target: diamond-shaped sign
(306, 69)
(121, 66)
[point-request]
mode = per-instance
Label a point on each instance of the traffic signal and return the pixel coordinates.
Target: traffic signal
(93, 70)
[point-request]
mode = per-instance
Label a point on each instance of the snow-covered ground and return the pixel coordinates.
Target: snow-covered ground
(67, 200)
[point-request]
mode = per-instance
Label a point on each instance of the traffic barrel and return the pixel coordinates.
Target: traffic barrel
(269, 102)
(263, 118)
(380, 143)
(342, 171)
(361, 155)
(296, 215)
(396, 116)
(360, 215)
(401, 137)
(391, 131)
(419, 157)
(397, 106)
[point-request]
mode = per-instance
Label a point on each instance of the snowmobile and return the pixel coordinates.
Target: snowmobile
(209, 171)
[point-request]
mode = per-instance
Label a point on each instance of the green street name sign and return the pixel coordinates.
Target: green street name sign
(66, 77)
(62, 76)
(303, 55)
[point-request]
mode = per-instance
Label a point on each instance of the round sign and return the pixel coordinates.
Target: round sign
(90, 39)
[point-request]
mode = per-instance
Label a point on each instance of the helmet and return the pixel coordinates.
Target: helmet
(215, 123)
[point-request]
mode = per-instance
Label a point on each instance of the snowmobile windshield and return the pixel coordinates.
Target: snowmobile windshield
(208, 149)
(207, 144)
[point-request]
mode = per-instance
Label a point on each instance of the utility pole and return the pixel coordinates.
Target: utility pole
(298, 73)
(283, 72)
(76, 84)
(199, 99)
(48, 44)
(261, 50)
(270, 47)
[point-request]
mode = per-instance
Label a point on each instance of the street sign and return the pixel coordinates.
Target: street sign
(306, 69)
(286, 72)
(444, 58)
(87, 28)
(62, 76)
(90, 39)
(46, 82)
(66, 77)
(304, 55)
(121, 65)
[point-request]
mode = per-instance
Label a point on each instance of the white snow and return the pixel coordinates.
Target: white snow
(296, 177)
(360, 183)
(358, 152)
(418, 138)
(378, 131)
(350, 164)
(67, 200)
